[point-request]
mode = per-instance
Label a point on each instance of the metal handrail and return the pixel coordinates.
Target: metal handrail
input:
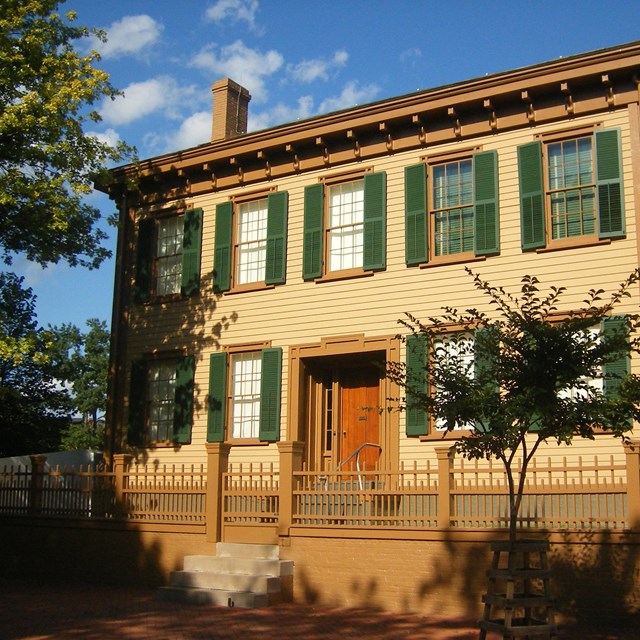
(356, 453)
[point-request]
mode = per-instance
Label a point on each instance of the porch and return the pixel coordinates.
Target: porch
(269, 503)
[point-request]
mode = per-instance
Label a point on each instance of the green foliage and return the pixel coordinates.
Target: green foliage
(34, 406)
(56, 373)
(535, 374)
(47, 160)
(82, 435)
(82, 361)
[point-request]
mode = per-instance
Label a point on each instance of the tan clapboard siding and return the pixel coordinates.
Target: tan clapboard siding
(304, 312)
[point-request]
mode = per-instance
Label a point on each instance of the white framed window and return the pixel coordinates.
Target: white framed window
(162, 393)
(456, 350)
(452, 224)
(571, 185)
(251, 245)
(246, 376)
(345, 228)
(168, 255)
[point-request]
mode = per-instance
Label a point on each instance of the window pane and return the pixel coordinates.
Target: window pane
(246, 370)
(251, 248)
(345, 229)
(571, 188)
(162, 385)
(452, 197)
(457, 352)
(169, 255)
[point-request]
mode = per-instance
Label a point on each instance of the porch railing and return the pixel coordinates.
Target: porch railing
(582, 493)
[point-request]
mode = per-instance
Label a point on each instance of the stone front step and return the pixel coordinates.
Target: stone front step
(226, 581)
(217, 597)
(229, 564)
(239, 575)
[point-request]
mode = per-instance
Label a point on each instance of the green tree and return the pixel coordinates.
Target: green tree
(47, 160)
(531, 375)
(82, 361)
(34, 405)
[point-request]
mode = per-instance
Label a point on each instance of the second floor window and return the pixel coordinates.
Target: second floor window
(571, 190)
(168, 256)
(251, 242)
(345, 226)
(451, 209)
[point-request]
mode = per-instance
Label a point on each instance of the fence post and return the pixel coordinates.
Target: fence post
(632, 453)
(217, 465)
(445, 501)
(37, 483)
(290, 461)
(121, 462)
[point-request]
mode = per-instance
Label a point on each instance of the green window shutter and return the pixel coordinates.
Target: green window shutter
(621, 367)
(270, 390)
(144, 260)
(222, 247)
(415, 214)
(276, 258)
(313, 230)
(532, 222)
(191, 241)
(486, 236)
(375, 221)
(417, 420)
(137, 402)
(183, 402)
(217, 400)
(609, 183)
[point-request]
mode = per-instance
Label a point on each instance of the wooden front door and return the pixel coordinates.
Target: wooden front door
(358, 411)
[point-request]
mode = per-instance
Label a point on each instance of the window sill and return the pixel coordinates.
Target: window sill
(574, 243)
(456, 259)
(246, 288)
(163, 444)
(438, 436)
(345, 274)
(247, 442)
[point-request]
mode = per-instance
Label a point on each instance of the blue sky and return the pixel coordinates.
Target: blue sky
(298, 59)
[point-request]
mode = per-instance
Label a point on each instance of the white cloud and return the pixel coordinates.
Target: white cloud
(351, 95)
(234, 11)
(143, 98)
(110, 136)
(281, 113)
(249, 67)
(195, 130)
(310, 70)
(411, 55)
(128, 36)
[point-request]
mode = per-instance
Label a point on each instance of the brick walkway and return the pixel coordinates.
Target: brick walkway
(43, 612)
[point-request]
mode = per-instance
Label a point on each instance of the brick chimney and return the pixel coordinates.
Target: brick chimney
(230, 109)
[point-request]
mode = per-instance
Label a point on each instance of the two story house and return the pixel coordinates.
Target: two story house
(261, 276)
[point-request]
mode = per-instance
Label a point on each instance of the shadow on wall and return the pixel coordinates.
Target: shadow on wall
(597, 580)
(595, 577)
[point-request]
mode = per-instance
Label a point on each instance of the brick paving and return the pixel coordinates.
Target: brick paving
(90, 612)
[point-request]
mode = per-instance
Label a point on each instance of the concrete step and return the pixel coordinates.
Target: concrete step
(226, 581)
(240, 575)
(218, 597)
(229, 564)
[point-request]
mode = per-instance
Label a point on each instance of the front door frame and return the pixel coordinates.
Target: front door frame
(387, 346)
